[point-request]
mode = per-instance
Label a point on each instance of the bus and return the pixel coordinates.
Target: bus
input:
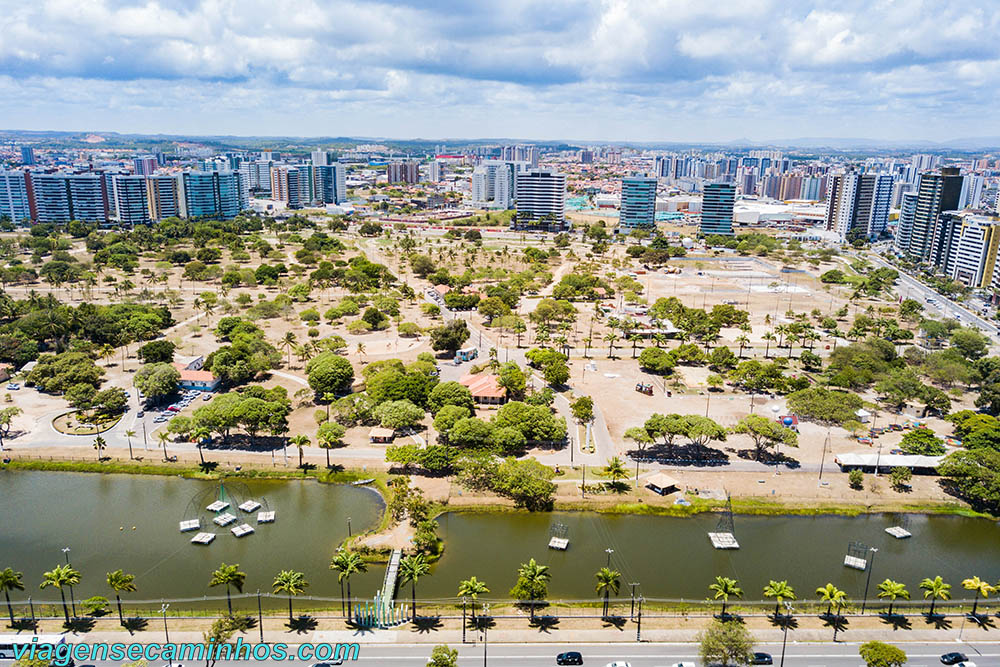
(8, 643)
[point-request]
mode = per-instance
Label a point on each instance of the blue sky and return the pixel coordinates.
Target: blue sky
(648, 70)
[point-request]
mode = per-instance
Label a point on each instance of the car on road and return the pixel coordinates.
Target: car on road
(683, 664)
(569, 658)
(618, 663)
(762, 659)
(330, 663)
(13, 386)
(206, 397)
(953, 658)
(141, 413)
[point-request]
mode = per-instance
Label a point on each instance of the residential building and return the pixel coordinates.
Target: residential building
(434, 172)
(321, 158)
(27, 156)
(286, 185)
(330, 183)
(541, 199)
(14, 200)
(972, 252)
(586, 157)
(638, 203)
(718, 200)
(163, 196)
(485, 388)
(216, 194)
(936, 192)
(407, 171)
(131, 198)
(858, 204)
(196, 377)
(904, 227)
(972, 192)
(61, 197)
(145, 166)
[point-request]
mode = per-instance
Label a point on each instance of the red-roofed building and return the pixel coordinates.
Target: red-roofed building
(193, 377)
(485, 388)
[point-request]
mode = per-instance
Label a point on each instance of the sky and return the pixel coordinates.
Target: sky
(585, 70)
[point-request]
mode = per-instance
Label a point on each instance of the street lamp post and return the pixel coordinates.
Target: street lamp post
(486, 627)
(72, 600)
(349, 527)
(871, 566)
(463, 618)
(784, 640)
(609, 551)
(631, 613)
(260, 617)
(638, 625)
(163, 610)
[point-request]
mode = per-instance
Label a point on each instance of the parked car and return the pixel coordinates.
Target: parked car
(569, 658)
(953, 658)
(206, 397)
(141, 413)
(762, 659)
(13, 386)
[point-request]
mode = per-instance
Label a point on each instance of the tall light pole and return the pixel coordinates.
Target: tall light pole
(72, 600)
(609, 551)
(784, 640)
(163, 610)
(463, 618)
(260, 617)
(631, 613)
(871, 566)
(486, 627)
(638, 625)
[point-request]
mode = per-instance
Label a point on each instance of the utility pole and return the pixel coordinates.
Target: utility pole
(583, 487)
(166, 635)
(463, 618)
(631, 613)
(638, 625)
(609, 551)
(826, 443)
(784, 640)
(871, 566)
(260, 618)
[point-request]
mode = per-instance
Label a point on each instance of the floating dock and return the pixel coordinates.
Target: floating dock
(898, 532)
(217, 506)
(224, 519)
(265, 517)
(560, 543)
(188, 526)
(203, 538)
(855, 562)
(250, 506)
(242, 530)
(724, 541)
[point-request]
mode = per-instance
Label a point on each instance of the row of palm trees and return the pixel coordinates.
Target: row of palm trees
(533, 577)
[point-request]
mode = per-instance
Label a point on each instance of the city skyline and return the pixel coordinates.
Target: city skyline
(582, 71)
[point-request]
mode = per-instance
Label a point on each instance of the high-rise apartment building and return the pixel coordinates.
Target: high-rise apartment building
(61, 197)
(131, 198)
(638, 203)
(973, 241)
(163, 196)
(972, 191)
(407, 171)
(27, 156)
(586, 157)
(904, 227)
(14, 200)
(936, 192)
(217, 194)
(145, 165)
(541, 199)
(286, 185)
(717, 203)
(321, 158)
(330, 183)
(858, 204)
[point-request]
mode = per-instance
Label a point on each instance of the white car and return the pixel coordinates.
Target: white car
(618, 663)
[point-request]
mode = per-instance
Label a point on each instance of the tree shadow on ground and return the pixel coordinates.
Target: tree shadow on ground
(302, 624)
(982, 620)
(782, 621)
(690, 454)
(24, 624)
(485, 622)
(208, 466)
(617, 622)
(897, 621)
(426, 624)
(836, 621)
(80, 624)
(135, 624)
(546, 623)
(769, 458)
(306, 467)
(939, 621)
(727, 617)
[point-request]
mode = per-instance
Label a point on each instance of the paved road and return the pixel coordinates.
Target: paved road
(638, 655)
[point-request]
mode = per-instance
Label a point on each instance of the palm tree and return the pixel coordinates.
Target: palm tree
(129, 435)
(768, 337)
(10, 581)
(935, 589)
(119, 581)
(200, 434)
(779, 590)
(635, 339)
(616, 470)
(300, 441)
(61, 576)
(724, 587)
(608, 582)
(164, 438)
(535, 577)
(610, 338)
(361, 349)
(288, 342)
(892, 590)
(347, 563)
(743, 342)
(981, 587)
(292, 583)
(229, 576)
(99, 444)
(472, 588)
(832, 596)
(411, 568)
(519, 328)
(329, 397)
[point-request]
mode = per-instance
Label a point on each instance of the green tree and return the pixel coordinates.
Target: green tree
(121, 582)
(442, 656)
(616, 471)
(347, 564)
(780, 591)
(724, 588)
(398, 414)
(450, 336)
(330, 435)
(922, 441)
(61, 576)
(229, 576)
(583, 409)
(472, 588)
(608, 582)
(411, 568)
(157, 380)
(983, 590)
(892, 590)
(765, 433)
(833, 596)
(935, 589)
(328, 372)
(532, 584)
(879, 654)
(291, 583)
(725, 643)
(10, 580)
